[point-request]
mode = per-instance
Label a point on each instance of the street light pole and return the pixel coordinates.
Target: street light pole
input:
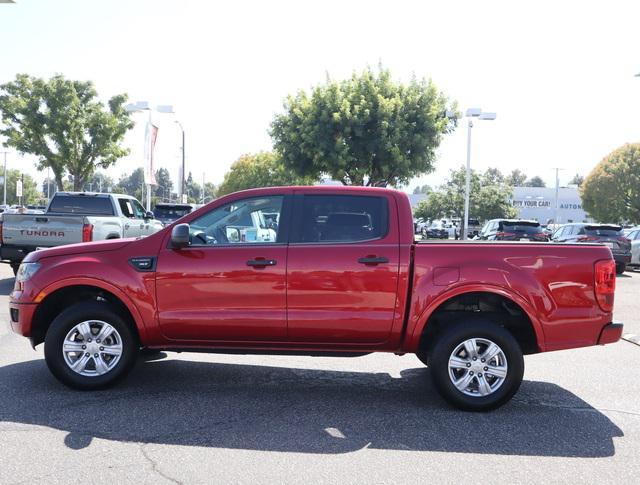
(467, 187)
(4, 199)
(182, 176)
(471, 113)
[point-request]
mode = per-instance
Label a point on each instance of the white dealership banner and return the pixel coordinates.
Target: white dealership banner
(150, 137)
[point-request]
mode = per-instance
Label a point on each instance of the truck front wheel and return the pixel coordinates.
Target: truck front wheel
(89, 346)
(476, 366)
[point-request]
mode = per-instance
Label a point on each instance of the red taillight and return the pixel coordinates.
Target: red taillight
(505, 234)
(87, 232)
(605, 283)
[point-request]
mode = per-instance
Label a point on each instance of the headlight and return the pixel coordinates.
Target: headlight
(26, 271)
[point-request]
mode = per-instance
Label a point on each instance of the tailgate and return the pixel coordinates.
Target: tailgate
(41, 230)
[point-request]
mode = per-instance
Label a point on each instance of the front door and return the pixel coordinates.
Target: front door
(343, 269)
(229, 284)
(134, 213)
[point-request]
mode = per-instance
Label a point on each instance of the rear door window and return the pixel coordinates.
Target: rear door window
(521, 227)
(603, 231)
(81, 204)
(342, 218)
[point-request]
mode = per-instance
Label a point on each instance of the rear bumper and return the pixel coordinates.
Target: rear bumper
(622, 257)
(611, 332)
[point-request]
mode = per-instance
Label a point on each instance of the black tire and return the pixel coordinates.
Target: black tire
(620, 268)
(62, 325)
(423, 357)
(456, 334)
(14, 267)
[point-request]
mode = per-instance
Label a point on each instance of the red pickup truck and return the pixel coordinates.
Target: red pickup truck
(317, 271)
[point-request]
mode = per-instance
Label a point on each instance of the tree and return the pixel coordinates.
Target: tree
(61, 122)
(263, 169)
(487, 200)
(30, 192)
(535, 182)
(493, 176)
(165, 185)
(516, 178)
(577, 180)
(131, 184)
(366, 130)
(611, 192)
(98, 182)
(422, 189)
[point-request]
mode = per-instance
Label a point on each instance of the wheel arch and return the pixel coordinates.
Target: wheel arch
(66, 293)
(428, 320)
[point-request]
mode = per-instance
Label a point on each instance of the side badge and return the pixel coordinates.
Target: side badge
(143, 263)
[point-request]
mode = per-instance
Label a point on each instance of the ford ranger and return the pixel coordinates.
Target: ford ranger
(316, 271)
(73, 217)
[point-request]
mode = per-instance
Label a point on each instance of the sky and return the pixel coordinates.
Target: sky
(559, 75)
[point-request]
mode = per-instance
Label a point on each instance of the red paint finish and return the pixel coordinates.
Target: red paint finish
(318, 296)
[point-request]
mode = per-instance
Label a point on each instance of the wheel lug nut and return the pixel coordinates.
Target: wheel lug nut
(468, 365)
(102, 348)
(479, 374)
(481, 360)
(84, 347)
(470, 373)
(87, 354)
(89, 340)
(475, 358)
(486, 369)
(98, 341)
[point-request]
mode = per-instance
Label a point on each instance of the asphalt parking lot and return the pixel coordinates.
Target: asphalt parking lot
(197, 418)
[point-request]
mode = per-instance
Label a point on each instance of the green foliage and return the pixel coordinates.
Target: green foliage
(366, 130)
(30, 192)
(535, 182)
(577, 180)
(62, 122)
(131, 184)
(611, 192)
(422, 189)
(264, 169)
(516, 178)
(163, 190)
(489, 197)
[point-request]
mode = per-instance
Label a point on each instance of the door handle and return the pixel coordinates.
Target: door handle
(261, 263)
(373, 260)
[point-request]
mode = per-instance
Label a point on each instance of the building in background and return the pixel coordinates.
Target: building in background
(539, 203)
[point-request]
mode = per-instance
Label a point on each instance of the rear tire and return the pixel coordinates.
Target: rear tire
(465, 380)
(620, 268)
(14, 267)
(89, 346)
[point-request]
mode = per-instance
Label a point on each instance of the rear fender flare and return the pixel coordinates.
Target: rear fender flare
(422, 320)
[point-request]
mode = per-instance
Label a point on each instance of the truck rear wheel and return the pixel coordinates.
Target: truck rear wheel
(476, 366)
(14, 267)
(620, 268)
(89, 346)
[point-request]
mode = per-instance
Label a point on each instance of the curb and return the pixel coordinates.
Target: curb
(629, 337)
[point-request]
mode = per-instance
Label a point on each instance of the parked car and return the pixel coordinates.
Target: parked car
(610, 235)
(341, 275)
(418, 225)
(73, 217)
(168, 212)
(634, 236)
(513, 230)
(435, 230)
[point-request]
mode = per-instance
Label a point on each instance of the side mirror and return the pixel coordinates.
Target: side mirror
(149, 215)
(180, 236)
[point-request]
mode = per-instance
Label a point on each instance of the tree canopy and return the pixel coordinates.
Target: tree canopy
(30, 192)
(63, 124)
(535, 182)
(366, 130)
(516, 178)
(489, 197)
(577, 180)
(263, 169)
(611, 192)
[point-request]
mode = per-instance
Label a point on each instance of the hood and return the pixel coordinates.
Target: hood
(80, 248)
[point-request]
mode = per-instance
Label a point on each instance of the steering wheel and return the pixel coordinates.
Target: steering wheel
(199, 238)
(220, 235)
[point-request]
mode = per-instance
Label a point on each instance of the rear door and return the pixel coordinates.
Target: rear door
(343, 265)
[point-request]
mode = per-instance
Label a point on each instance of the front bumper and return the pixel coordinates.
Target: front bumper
(610, 333)
(21, 317)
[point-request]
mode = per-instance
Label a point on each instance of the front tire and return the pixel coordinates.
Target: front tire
(620, 268)
(476, 366)
(89, 346)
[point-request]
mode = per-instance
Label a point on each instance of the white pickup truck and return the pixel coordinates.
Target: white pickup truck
(73, 217)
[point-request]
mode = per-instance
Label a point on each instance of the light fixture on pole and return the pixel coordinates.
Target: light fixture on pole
(471, 114)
